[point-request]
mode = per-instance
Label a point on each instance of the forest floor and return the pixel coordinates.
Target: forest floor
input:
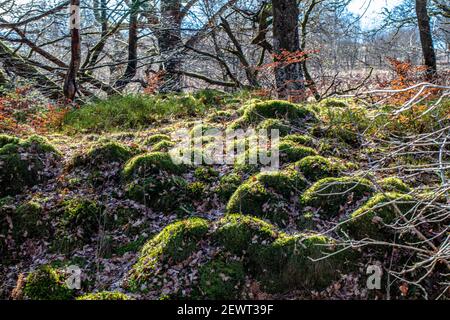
(116, 206)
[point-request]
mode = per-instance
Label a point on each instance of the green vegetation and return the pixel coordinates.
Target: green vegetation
(22, 164)
(130, 112)
(318, 167)
(46, 283)
(394, 184)
(151, 163)
(104, 295)
(331, 194)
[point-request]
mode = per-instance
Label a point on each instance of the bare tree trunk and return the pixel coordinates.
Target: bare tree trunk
(130, 71)
(169, 41)
(289, 78)
(70, 82)
(426, 39)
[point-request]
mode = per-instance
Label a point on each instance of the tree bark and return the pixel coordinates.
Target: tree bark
(169, 42)
(70, 82)
(426, 39)
(130, 71)
(289, 77)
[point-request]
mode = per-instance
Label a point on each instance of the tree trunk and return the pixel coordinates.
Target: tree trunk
(169, 42)
(426, 39)
(289, 77)
(70, 82)
(130, 71)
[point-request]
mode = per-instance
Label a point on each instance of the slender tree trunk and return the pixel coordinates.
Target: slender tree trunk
(130, 71)
(169, 41)
(70, 82)
(289, 78)
(426, 39)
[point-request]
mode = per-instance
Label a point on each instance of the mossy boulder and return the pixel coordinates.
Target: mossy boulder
(275, 124)
(164, 192)
(289, 263)
(172, 245)
(318, 167)
(331, 194)
(371, 219)
(103, 153)
(7, 139)
(104, 295)
(203, 129)
(149, 164)
(22, 164)
(239, 233)
(154, 139)
(221, 279)
(267, 195)
(292, 152)
(276, 109)
(46, 283)
(228, 185)
(299, 139)
(394, 184)
(163, 146)
(333, 103)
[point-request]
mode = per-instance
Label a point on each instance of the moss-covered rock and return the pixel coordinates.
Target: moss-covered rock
(288, 263)
(330, 194)
(165, 192)
(299, 139)
(22, 164)
(239, 233)
(267, 195)
(220, 116)
(103, 153)
(394, 184)
(318, 167)
(202, 129)
(275, 124)
(104, 295)
(228, 185)
(292, 152)
(333, 103)
(221, 279)
(154, 139)
(206, 174)
(46, 283)
(150, 164)
(173, 244)
(370, 220)
(7, 139)
(163, 146)
(277, 109)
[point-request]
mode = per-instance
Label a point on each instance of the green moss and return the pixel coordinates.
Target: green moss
(330, 194)
(156, 138)
(275, 124)
(7, 139)
(256, 112)
(206, 174)
(221, 279)
(333, 103)
(28, 220)
(46, 283)
(103, 153)
(172, 245)
(151, 163)
(104, 295)
(394, 184)
(292, 152)
(220, 116)
(202, 129)
(161, 193)
(299, 139)
(80, 217)
(228, 185)
(318, 167)
(22, 163)
(241, 233)
(196, 190)
(163, 146)
(287, 263)
(370, 219)
(267, 195)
